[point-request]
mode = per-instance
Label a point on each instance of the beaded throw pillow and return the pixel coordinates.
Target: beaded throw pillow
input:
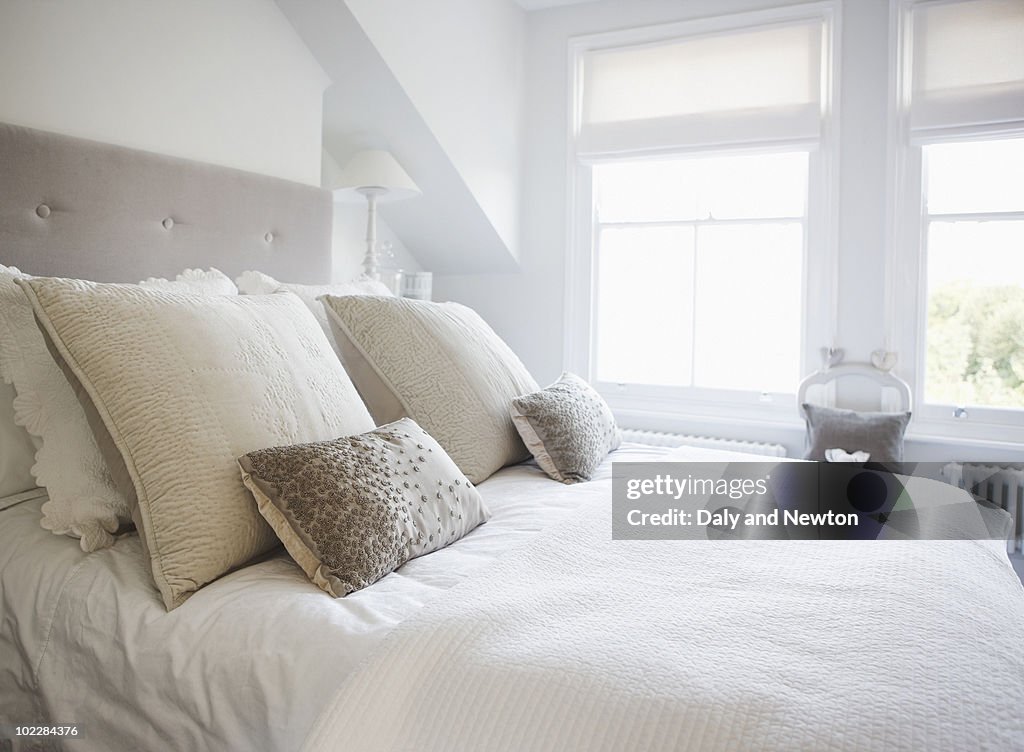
(568, 427)
(352, 510)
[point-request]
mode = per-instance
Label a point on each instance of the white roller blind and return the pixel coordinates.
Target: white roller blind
(746, 84)
(968, 63)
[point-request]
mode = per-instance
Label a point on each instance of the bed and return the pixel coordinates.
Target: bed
(534, 631)
(252, 660)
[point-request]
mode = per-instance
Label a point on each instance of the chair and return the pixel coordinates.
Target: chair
(826, 377)
(884, 437)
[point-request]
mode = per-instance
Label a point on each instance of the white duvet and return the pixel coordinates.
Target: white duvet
(556, 638)
(578, 642)
(248, 662)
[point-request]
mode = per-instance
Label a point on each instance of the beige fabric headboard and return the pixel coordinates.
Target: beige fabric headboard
(76, 208)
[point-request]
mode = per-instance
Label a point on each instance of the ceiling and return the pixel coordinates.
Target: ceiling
(541, 4)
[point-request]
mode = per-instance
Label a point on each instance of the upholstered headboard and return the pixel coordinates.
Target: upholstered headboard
(76, 208)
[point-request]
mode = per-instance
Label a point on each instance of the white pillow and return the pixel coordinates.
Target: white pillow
(258, 283)
(17, 448)
(83, 502)
(185, 384)
(203, 282)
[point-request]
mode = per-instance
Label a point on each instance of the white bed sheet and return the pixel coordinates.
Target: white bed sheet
(249, 661)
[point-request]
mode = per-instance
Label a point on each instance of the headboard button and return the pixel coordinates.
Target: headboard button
(168, 223)
(43, 211)
(269, 237)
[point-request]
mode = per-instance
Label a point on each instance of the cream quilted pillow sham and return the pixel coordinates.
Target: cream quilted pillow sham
(439, 364)
(185, 384)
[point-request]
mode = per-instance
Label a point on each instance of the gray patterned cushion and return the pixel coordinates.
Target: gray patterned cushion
(351, 510)
(878, 434)
(568, 427)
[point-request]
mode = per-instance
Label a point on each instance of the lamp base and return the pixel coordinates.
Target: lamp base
(371, 261)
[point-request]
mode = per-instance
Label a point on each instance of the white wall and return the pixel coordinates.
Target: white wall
(461, 64)
(527, 308)
(226, 82)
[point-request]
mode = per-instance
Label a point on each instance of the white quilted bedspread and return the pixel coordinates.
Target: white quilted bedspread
(577, 642)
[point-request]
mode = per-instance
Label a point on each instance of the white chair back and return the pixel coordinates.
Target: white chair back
(827, 376)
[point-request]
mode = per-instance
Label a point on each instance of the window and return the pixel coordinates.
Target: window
(974, 255)
(710, 252)
(701, 268)
(958, 275)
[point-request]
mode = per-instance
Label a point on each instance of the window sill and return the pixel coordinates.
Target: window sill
(967, 433)
(775, 425)
(779, 413)
(945, 439)
(747, 418)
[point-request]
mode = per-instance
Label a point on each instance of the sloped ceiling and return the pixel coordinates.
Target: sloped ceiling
(541, 4)
(462, 64)
(366, 107)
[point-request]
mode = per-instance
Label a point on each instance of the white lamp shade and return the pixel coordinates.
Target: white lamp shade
(374, 171)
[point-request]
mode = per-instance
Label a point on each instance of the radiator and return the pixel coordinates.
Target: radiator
(1003, 486)
(656, 438)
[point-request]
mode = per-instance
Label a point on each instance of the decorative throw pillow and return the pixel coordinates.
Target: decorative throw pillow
(185, 384)
(351, 510)
(568, 427)
(878, 434)
(203, 282)
(258, 283)
(442, 366)
(83, 499)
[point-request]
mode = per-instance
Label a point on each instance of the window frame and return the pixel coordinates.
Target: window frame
(820, 262)
(703, 393)
(906, 273)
